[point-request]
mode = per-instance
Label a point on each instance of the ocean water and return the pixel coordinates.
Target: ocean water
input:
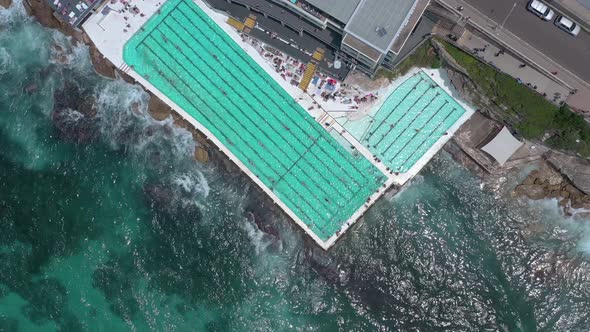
(107, 224)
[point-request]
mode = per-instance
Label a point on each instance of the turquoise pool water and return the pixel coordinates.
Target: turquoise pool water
(410, 121)
(416, 115)
(190, 59)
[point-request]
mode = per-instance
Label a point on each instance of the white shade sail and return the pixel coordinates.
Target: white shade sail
(503, 146)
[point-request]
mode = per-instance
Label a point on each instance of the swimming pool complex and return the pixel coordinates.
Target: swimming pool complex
(188, 57)
(410, 121)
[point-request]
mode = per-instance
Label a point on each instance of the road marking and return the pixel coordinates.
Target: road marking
(523, 43)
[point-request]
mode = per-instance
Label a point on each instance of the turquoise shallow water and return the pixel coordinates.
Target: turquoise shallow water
(107, 224)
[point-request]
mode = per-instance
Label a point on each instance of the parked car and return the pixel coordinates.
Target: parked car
(541, 9)
(567, 25)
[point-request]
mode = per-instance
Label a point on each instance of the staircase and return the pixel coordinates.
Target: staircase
(235, 23)
(307, 76)
(249, 23)
(318, 55)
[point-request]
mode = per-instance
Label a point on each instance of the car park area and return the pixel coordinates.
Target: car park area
(571, 52)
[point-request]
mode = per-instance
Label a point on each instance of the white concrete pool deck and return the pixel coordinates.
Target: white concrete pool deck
(111, 29)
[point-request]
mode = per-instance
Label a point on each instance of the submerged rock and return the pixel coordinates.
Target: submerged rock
(159, 195)
(73, 97)
(31, 88)
(165, 199)
(323, 265)
(73, 114)
(74, 126)
(201, 155)
(5, 3)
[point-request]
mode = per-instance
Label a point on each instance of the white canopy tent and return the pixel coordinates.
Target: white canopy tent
(503, 146)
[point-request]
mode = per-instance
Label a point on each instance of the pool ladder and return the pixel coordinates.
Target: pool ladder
(124, 68)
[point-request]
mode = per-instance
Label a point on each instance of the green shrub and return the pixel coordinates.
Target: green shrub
(527, 111)
(424, 57)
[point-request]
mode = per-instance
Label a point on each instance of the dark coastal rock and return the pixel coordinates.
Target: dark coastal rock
(158, 109)
(546, 182)
(201, 155)
(164, 199)
(159, 195)
(74, 126)
(532, 191)
(5, 3)
(576, 169)
(320, 262)
(73, 114)
(72, 96)
(263, 224)
(101, 65)
(263, 217)
(43, 13)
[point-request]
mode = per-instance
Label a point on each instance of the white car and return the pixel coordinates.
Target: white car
(567, 25)
(541, 9)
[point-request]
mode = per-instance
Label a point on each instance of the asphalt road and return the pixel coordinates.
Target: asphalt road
(571, 52)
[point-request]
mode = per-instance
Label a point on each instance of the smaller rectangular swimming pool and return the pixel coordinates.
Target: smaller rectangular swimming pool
(410, 121)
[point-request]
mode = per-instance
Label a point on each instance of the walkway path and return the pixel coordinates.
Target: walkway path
(513, 66)
(534, 58)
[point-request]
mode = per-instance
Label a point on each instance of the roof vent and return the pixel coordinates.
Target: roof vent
(381, 31)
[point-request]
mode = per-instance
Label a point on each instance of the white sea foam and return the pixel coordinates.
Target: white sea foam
(69, 55)
(125, 124)
(5, 61)
(258, 238)
(577, 226)
(16, 11)
(123, 109)
(192, 183)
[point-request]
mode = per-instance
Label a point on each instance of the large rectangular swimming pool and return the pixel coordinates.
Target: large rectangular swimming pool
(189, 58)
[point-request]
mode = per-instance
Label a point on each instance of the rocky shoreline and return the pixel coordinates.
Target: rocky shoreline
(559, 176)
(546, 182)
(43, 13)
(260, 208)
(5, 3)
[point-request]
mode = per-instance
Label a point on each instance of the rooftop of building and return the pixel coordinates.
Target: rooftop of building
(378, 23)
(339, 9)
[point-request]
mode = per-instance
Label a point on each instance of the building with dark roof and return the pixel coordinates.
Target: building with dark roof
(373, 27)
(370, 33)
